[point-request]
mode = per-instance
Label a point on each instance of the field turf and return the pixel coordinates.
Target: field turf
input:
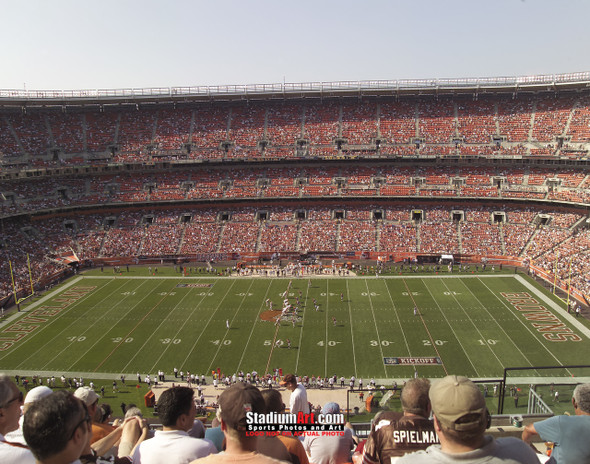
(102, 324)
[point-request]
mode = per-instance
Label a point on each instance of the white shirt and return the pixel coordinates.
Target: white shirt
(298, 400)
(329, 449)
(172, 447)
(10, 454)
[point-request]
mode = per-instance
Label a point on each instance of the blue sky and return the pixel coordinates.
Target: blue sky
(78, 44)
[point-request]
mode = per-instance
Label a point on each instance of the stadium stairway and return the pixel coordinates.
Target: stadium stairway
(221, 232)
(502, 242)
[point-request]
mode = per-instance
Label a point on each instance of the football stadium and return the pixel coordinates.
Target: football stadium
(357, 234)
(175, 211)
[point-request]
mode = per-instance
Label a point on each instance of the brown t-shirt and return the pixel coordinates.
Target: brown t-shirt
(393, 438)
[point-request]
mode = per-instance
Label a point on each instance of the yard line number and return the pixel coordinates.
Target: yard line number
(436, 342)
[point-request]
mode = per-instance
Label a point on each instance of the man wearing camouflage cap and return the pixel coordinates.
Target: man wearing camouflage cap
(460, 420)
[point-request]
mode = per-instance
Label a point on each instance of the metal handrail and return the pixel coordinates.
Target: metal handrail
(287, 88)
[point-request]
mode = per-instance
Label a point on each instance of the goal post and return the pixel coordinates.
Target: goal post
(18, 300)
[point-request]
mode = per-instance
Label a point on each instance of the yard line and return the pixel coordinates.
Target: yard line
(163, 321)
(76, 320)
(326, 324)
(474, 325)
(351, 334)
(227, 330)
(398, 319)
(425, 327)
(494, 319)
(256, 320)
(205, 326)
(104, 315)
(451, 327)
(376, 328)
(524, 324)
(130, 332)
(301, 331)
(272, 346)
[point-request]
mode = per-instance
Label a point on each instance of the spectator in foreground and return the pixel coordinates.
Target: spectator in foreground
(566, 432)
(35, 394)
(100, 422)
(460, 420)
(274, 403)
(57, 428)
(47, 430)
(325, 449)
(413, 431)
(177, 410)
(241, 447)
(215, 434)
(90, 398)
(11, 399)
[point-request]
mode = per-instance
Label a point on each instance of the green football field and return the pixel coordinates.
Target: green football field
(108, 324)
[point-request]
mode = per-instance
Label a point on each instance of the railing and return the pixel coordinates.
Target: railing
(290, 88)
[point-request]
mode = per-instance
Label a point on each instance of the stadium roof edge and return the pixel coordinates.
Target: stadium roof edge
(534, 83)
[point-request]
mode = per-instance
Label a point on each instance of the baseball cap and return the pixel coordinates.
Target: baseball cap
(86, 394)
(331, 408)
(454, 397)
(289, 378)
(236, 401)
(35, 394)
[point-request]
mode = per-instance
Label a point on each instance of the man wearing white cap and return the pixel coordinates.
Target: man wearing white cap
(90, 398)
(33, 395)
(460, 420)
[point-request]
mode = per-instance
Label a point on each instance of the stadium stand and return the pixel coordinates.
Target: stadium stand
(332, 174)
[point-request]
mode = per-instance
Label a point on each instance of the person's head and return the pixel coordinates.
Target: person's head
(57, 425)
(176, 408)
(273, 400)
(414, 397)
(581, 398)
(133, 411)
(331, 408)
(11, 399)
(36, 394)
(460, 412)
(89, 397)
(234, 403)
(290, 382)
(103, 414)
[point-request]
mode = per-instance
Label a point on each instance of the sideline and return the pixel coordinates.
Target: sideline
(29, 308)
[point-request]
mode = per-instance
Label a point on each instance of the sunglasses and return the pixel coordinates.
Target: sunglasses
(86, 419)
(18, 398)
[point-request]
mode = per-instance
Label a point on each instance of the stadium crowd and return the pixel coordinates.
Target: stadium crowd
(545, 236)
(445, 421)
(492, 126)
(48, 212)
